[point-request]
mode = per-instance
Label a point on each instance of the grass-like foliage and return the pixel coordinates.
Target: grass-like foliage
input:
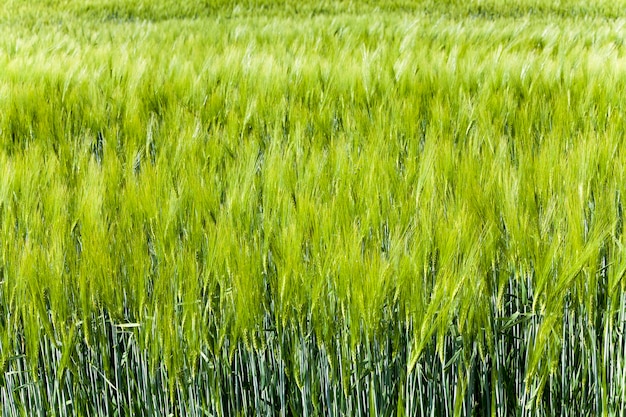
(312, 208)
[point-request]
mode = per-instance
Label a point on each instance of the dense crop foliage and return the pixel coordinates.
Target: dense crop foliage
(322, 208)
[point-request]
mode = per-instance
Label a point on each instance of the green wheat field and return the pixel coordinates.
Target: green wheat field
(312, 208)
